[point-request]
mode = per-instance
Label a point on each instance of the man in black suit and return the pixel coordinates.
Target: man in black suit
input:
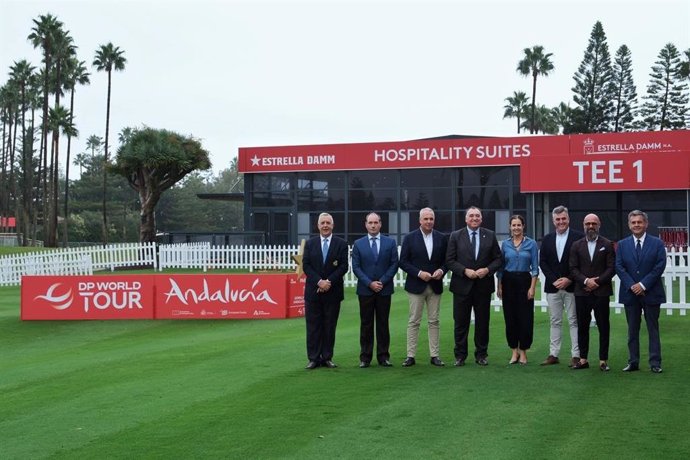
(553, 261)
(423, 258)
(325, 264)
(592, 266)
(473, 256)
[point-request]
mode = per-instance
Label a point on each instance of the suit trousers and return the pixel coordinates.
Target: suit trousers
(462, 315)
(322, 318)
(633, 314)
(433, 304)
(600, 305)
(562, 302)
(374, 309)
(518, 310)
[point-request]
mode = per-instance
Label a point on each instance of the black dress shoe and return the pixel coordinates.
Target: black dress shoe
(409, 361)
(329, 364)
(631, 368)
(482, 361)
(385, 363)
(312, 365)
(656, 369)
(604, 367)
(363, 364)
(459, 362)
(581, 365)
(436, 361)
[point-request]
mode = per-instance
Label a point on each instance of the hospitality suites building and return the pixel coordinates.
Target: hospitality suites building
(286, 187)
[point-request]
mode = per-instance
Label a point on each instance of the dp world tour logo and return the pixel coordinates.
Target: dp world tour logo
(58, 302)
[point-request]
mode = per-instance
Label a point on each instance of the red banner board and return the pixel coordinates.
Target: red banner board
(87, 297)
(295, 299)
(255, 296)
(221, 296)
(610, 161)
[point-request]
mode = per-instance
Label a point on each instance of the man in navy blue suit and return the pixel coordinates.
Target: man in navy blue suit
(325, 264)
(640, 263)
(375, 263)
(423, 258)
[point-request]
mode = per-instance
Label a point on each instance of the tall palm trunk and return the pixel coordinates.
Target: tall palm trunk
(534, 105)
(105, 166)
(69, 146)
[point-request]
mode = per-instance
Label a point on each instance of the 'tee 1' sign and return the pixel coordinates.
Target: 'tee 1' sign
(607, 171)
(652, 171)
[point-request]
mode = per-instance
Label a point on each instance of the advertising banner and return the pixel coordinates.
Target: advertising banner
(655, 160)
(87, 297)
(295, 299)
(221, 296)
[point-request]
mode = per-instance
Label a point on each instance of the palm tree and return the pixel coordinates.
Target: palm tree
(108, 58)
(76, 75)
(94, 143)
(59, 121)
(516, 107)
(21, 73)
(535, 63)
(562, 116)
(81, 160)
(42, 35)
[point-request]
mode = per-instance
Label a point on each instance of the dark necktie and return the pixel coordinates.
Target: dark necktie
(375, 249)
(473, 241)
(324, 249)
(638, 249)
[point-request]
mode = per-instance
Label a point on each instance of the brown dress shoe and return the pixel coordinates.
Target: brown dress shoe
(573, 361)
(550, 360)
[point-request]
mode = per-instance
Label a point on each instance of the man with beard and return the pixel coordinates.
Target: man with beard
(592, 266)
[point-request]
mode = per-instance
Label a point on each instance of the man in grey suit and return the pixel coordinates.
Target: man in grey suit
(423, 258)
(640, 263)
(473, 256)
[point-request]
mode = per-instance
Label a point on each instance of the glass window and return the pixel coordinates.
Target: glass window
(418, 198)
(272, 182)
(499, 175)
(437, 177)
(270, 199)
(646, 200)
(321, 180)
(374, 179)
(321, 200)
(367, 200)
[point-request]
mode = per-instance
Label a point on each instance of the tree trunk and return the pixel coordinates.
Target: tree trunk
(105, 164)
(69, 147)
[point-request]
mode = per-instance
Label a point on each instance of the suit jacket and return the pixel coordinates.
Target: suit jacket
(460, 255)
(333, 270)
(648, 269)
(367, 269)
(602, 265)
(414, 258)
(548, 259)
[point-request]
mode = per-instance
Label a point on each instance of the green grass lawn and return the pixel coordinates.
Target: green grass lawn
(237, 389)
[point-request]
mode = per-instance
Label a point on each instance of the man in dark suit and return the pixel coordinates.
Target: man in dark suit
(558, 287)
(473, 256)
(640, 264)
(592, 260)
(375, 263)
(325, 264)
(423, 258)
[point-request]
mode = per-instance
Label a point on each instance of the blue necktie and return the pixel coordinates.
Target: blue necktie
(375, 249)
(324, 249)
(474, 245)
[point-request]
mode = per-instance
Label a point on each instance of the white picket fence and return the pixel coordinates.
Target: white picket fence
(76, 261)
(203, 256)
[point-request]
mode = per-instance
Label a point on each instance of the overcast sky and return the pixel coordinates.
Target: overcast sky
(258, 73)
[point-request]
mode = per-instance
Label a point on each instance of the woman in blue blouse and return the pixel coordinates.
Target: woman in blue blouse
(517, 281)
